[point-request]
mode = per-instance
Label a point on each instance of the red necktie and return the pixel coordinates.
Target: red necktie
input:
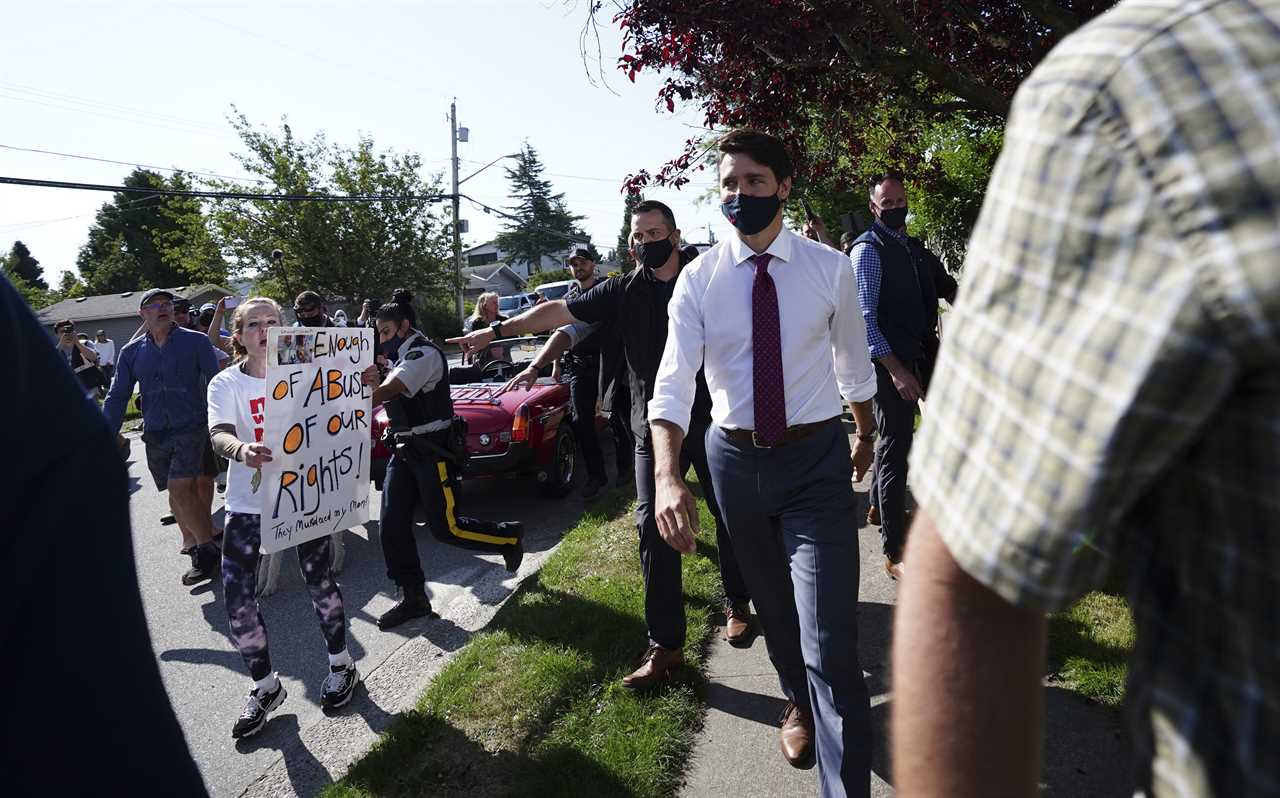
(766, 356)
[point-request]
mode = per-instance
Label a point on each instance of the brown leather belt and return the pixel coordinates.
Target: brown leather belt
(748, 437)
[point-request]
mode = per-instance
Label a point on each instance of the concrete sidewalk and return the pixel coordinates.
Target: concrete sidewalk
(737, 754)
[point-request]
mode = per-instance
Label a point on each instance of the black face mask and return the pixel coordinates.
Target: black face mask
(751, 214)
(894, 218)
(653, 254)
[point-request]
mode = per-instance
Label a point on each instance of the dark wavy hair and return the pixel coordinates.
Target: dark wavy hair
(399, 308)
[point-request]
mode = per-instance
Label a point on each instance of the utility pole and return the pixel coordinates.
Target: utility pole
(457, 234)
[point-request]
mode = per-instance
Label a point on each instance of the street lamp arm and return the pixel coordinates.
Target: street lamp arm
(486, 166)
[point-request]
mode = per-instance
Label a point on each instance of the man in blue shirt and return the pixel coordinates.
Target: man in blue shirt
(173, 365)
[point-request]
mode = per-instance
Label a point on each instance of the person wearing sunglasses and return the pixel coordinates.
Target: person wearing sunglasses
(310, 310)
(81, 357)
(172, 365)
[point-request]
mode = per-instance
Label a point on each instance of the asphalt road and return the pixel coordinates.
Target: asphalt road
(204, 675)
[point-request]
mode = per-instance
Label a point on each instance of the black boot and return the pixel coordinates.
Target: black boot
(205, 560)
(512, 555)
(414, 604)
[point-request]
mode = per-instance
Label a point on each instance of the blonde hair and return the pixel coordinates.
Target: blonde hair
(481, 301)
(237, 322)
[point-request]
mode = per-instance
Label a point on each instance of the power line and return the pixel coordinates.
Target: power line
(132, 163)
(112, 107)
(170, 192)
(12, 226)
(573, 239)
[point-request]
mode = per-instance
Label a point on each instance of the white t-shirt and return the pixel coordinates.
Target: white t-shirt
(236, 398)
(106, 352)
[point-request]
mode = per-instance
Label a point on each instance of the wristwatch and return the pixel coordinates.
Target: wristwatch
(870, 436)
(496, 326)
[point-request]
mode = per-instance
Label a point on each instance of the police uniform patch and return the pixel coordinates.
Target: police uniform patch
(414, 355)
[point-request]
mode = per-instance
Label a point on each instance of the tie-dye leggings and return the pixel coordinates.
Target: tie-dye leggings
(240, 557)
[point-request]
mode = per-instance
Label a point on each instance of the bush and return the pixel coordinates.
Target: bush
(436, 317)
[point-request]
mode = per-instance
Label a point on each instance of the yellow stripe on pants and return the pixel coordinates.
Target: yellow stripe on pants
(447, 486)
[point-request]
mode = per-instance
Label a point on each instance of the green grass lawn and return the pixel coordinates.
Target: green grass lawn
(533, 705)
(1089, 646)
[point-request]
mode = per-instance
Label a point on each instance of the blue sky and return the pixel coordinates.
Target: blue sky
(151, 83)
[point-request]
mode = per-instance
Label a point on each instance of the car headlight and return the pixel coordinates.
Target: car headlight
(484, 439)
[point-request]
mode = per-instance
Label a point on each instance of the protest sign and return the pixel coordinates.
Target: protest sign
(317, 427)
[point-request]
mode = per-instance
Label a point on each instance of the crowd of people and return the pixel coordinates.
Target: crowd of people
(1106, 398)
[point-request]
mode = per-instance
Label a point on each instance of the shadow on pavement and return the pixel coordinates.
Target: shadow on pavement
(281, 734)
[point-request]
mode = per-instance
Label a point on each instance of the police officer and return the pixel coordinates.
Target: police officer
(424, 463)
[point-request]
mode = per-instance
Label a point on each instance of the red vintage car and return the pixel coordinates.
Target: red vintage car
(521, 433)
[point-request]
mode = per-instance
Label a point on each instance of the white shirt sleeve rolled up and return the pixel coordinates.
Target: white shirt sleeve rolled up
(677, 380)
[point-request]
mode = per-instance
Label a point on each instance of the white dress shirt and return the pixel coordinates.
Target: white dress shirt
(824, 339)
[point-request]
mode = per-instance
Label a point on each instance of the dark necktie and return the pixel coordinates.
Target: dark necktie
(766, 356)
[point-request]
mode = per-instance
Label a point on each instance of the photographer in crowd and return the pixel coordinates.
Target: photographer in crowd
(79, 356)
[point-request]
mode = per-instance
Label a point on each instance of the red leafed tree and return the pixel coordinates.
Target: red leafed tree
(813, 70)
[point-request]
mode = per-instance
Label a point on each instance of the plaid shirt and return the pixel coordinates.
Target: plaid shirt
(1108, 392)
(867, 268)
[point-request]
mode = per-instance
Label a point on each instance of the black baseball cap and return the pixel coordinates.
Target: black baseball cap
(585, 254)
(155, 292)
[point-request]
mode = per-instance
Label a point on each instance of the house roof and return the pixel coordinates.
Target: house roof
(482, 276)
(115, 306)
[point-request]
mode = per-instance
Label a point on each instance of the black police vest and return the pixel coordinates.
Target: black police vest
(427, 405)
(908, 309)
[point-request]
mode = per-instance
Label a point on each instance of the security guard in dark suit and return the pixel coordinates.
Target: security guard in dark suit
(428, 446)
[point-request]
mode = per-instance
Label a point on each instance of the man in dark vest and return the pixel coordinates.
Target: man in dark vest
(900, 306)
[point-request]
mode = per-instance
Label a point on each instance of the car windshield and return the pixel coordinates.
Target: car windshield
(515, 353)
(508, 303)
(554, 291)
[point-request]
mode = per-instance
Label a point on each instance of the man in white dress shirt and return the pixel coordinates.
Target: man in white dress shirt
(774, 319)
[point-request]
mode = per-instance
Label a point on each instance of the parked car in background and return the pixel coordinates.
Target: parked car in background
(514, 304)
(555, 290)
(522, 433)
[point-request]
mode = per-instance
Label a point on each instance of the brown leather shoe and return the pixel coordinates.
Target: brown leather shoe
(873, 515)
(895, 570)
(655, 666)
(737, 624)
(796, 737)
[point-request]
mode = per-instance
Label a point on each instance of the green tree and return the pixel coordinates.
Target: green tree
(35, 297)
(346, 251)
(70, 287)
(543, 225)
(946, 165)
(623, 252)
(144, 241)
(21, 265)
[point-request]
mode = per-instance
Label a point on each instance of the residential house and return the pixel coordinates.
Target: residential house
(117, 314)
(497, 277)
(488, 254)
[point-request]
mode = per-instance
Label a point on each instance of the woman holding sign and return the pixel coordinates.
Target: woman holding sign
(237, 398)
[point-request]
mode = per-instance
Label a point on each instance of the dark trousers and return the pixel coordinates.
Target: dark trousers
(430, 482)
(790, 511)
(895, 420)
(659, 563)
(584, 390)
